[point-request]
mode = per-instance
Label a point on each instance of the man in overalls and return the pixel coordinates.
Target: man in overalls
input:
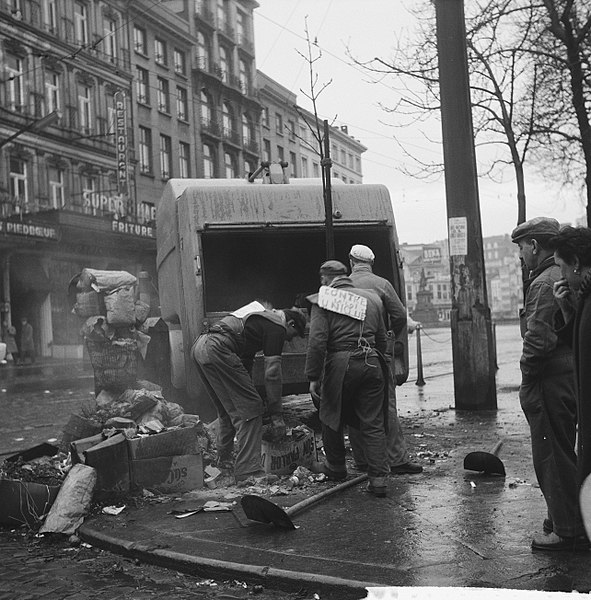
(224, 357)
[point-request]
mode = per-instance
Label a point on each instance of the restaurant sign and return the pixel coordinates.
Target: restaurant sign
(28, 230)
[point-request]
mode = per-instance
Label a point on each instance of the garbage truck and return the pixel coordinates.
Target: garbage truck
(222, 243)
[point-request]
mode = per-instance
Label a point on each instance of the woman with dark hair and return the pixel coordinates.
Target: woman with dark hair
(572, 253)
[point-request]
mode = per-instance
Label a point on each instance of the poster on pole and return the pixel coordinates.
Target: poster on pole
(458, 236)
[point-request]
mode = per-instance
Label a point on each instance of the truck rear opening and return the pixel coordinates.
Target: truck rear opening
(222, 244)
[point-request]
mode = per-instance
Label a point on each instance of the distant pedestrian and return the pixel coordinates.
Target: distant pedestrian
(572, 252)
(361, 259)
(9, 338)
(346, 373)
(26, 343)
(547, 392)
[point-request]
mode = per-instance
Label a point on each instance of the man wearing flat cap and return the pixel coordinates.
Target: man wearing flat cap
(361, 259)
(347, 333)
(547, 394)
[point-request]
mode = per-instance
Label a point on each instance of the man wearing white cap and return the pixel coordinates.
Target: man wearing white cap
(361, 259)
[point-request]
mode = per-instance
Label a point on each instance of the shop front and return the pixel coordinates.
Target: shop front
(41, 253)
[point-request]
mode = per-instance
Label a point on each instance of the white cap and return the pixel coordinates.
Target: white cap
(363, 253)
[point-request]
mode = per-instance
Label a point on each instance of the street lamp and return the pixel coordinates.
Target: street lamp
(41, 123)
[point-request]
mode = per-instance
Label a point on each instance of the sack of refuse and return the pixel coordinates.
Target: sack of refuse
(72, 502)
(104, 281)
(120, 305)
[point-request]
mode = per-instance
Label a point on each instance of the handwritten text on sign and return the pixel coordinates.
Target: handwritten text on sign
(342, 302)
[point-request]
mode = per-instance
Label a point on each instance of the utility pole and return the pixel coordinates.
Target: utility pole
(471, 330)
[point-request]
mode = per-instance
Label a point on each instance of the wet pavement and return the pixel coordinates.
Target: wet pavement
(445, 527)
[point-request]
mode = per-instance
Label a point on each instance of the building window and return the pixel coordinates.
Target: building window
(229, 165)
(184, 159)
(208, 162)
(56, 187)
(206, 108)
(165, 156)
(52, 92)
(222, 14)
(19, 189)
(81, 23)
(110, 40)
(315, 169)
(50, 16)
(247, 130)
(180, 62)
(89, 190)
(305, 167)
(357, 164)
(202, 52)
(163, 95)
(145, 150)
(292, 165)
(291, 130)
(244, 77)
(240, 27)
(142, 85)
(140, 40)
(224, 65)
(265, 116)
(16, 90)
(160, 52)
(280, 153)
(182, 104)
(267, 150)
(84, 109)
(249, 167)
(227, 119)
(278, 124)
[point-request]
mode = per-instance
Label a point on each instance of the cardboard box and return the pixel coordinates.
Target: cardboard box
(168, 473)
(110, 458)
(79, 447)
(283, 458)
(176, 442)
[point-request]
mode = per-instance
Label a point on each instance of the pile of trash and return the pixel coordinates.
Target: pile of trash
(113, 325)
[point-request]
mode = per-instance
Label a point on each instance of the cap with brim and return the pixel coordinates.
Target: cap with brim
(333, 267)
(539, 226)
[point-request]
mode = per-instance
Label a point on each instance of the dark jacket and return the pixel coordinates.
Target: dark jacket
(577, 333)
(541, 345)
(363, 277)
(333, 340)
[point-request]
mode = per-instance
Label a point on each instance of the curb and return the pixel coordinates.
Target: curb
(213, 568)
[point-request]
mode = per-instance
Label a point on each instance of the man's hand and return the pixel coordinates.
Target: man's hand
(315, 393)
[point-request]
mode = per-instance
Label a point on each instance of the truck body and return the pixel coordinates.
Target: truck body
(224, 243)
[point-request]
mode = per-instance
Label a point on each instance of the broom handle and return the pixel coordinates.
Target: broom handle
(497, 447)
(296, 508)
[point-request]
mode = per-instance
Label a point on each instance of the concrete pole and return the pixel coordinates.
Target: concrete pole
(471, 331)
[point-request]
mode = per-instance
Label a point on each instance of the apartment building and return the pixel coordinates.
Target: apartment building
(280, 135)
(67, 194)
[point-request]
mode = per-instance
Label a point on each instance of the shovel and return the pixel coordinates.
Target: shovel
(485, 462)
(264, 511)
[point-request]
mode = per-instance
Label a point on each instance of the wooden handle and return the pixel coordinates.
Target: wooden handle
(296, 508)
(497, 447)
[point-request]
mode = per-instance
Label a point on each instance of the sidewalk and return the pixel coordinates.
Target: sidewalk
(445, 527)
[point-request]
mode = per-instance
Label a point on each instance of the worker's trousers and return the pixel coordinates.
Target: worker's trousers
(549, 405)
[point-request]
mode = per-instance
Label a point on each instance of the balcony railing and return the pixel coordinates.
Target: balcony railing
(205, 15)
(210, 126)
(231, 135)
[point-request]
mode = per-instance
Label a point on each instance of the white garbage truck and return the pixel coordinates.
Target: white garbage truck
(222, 243)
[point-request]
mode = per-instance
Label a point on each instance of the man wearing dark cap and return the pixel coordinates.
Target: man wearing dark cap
(346, 332)
(361, 259)
(547, 394)
(224, 357)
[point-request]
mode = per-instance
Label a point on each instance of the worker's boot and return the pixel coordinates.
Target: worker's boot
(378, 486)
(277, 432)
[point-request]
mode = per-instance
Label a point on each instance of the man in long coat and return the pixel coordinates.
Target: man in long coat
(346, 372)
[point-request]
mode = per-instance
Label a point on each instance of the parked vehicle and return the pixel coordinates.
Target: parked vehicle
(223, 243)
